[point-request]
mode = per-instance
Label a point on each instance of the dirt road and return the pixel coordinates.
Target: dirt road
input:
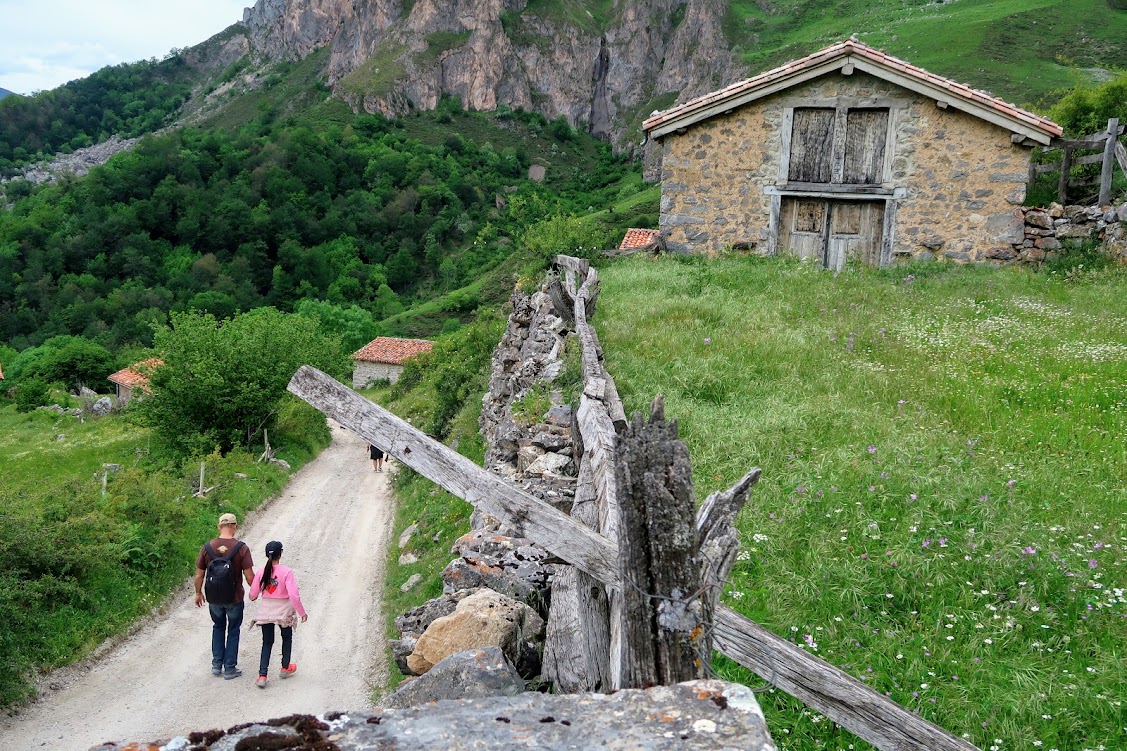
(334, 518)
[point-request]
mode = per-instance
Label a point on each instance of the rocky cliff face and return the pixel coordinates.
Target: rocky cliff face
(604, 74)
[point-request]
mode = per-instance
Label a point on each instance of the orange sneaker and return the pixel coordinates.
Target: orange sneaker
(289, 670)
(260, 681)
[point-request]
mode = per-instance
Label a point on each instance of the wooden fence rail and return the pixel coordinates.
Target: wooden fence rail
(1112, 152)
(640, 625)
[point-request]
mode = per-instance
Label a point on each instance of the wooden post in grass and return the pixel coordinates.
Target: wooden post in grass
(1065, 170)
(1109, 161)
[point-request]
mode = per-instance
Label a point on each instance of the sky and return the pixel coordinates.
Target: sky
(45, 43)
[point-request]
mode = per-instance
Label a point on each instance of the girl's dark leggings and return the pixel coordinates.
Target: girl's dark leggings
(268, 646)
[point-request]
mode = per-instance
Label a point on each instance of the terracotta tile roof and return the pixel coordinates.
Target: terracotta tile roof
(393, 351)
(862, 52)
(638, 238)
(136, 375)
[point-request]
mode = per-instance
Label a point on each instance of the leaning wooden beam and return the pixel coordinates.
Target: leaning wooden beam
(840, 697)
(557, 532)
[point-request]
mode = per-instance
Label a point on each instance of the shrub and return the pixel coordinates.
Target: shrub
(31, 393)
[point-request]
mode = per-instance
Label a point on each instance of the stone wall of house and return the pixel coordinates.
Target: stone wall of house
(365, 373)
(964, 178)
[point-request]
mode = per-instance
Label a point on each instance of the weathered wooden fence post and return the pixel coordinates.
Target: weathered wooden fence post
(662, 616)
(1108, 163)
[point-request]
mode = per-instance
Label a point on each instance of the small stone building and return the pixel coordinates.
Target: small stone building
(847, 154)
(136, 376)
(382, 359)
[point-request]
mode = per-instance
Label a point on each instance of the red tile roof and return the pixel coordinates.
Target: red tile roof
(863, 53)
(638, 238)
(136, 375)
(393, 351)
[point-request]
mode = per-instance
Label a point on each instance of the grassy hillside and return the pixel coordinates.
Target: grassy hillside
(941, 512)
(1018, 49)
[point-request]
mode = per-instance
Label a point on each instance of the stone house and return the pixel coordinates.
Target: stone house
(136, 376)
(383, 358)
(847, 154)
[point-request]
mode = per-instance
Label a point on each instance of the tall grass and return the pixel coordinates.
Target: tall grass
(942, 510)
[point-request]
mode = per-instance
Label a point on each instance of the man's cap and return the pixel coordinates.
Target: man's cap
(273, 549)
(227, 519)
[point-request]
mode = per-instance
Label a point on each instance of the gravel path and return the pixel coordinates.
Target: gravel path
(335, 518)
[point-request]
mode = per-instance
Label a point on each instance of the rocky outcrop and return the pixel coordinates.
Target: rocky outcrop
(599, 73)
(711, 715)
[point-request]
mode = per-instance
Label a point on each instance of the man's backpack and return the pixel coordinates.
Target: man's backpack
(221, 579)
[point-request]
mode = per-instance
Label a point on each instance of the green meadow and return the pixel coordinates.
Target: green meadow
(943, 505)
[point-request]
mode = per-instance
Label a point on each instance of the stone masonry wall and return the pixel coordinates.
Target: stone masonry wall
(364, 373)
(964, 178)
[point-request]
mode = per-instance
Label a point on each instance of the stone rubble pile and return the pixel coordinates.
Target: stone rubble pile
(78, 162)
(1045, 230)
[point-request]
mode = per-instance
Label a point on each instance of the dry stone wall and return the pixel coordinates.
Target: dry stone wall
(497, 588)
(1045, 232)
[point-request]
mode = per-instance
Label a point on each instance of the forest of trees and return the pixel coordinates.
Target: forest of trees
(126, 100)
(357, 216)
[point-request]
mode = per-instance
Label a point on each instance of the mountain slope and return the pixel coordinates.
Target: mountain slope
(5, 92)
(606, 65)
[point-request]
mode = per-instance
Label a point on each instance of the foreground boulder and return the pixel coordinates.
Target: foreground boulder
(474, 674)
(484, 619)
(698, 715)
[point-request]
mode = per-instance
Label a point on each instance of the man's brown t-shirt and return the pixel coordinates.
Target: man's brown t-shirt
(242, 560)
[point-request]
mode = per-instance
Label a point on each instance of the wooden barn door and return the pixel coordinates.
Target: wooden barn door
(832, 232)
(802, 227)
(856, 230)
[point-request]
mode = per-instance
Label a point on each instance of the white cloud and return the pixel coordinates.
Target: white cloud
(45, 44)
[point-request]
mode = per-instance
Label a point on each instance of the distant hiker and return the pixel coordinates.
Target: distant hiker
(281, 606)
(376, 455)
(218, 569)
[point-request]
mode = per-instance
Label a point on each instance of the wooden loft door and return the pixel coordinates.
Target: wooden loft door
(811, 145)
(866, 133)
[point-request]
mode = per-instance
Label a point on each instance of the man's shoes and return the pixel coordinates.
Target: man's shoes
(231, 673)
(217, 670)
(289, 670)
(260, 681)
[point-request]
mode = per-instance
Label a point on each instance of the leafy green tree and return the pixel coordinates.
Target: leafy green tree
(70, 360)
(1087, 108)
(222, 380)
(352, 324)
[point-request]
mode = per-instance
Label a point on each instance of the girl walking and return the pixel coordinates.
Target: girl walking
(280, 607)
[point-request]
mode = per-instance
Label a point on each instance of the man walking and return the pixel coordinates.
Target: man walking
(218, 569)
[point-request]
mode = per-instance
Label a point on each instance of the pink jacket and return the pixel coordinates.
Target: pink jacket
(282, 587)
